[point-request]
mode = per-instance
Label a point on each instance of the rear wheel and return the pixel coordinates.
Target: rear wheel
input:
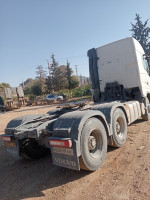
(93, 145)
(119, 128)
(146, 116)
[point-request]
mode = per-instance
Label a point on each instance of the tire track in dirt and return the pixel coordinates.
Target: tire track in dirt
(124, 175)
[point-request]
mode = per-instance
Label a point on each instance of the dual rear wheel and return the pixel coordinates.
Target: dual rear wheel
(119, 128)
(94, 140)
(93, 145)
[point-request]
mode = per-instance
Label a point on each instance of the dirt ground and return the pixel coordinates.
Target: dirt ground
(125, 174)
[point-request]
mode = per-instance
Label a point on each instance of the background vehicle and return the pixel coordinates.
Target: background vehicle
(78, 135)
(51, 97)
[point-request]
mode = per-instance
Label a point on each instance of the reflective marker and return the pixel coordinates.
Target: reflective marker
(61, 143)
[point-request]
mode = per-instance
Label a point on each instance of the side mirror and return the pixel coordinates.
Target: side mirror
(146, 59)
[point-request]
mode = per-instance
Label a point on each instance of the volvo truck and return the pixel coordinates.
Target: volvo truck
(78, 135)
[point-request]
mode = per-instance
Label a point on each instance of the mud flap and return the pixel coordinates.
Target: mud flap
(12, 148)
(65, 157)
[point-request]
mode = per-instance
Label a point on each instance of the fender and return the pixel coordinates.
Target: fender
(107, 109)
(16, 122)
(70, 125)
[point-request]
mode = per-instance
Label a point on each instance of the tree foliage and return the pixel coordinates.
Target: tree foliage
(53, 66)
(49, 85)
(60, 77)
(4, 85)
(28, 83)
(60, 80)
(72, 82)
(40, 72)
(140, 31)
(41, 75)
(27, 90)
(36, 89)
(50, 80)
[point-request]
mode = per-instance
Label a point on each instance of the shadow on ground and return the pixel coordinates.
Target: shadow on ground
(21, 178)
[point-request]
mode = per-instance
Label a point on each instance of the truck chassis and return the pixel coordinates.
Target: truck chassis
(77, 135)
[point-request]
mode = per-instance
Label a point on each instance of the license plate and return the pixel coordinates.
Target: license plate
(12, 149)
(65, 151)
(10, 144)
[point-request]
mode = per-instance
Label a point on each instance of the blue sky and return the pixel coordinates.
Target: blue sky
(31, 30)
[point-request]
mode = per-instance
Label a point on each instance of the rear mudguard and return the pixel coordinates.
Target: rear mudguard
(107, 109)
(12, 128)
(17, 122)
(70, 125)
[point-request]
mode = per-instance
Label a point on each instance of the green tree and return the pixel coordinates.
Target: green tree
(72, 82)
(140, 31)
(50, 80)
(60, 80)
(41, 76)
(27, 90)
(36, 88)
(27, 83)
(68, 75)
(60, 77)
(49, 85)
(53, 66)
(40, 72)
(5, 85)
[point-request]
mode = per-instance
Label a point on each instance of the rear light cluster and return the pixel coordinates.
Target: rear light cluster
(6, 138)
(61, 143)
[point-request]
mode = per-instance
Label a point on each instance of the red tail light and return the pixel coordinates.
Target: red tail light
(6, 138)
(60, 143)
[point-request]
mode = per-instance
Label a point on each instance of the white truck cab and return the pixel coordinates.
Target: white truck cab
(125, 62)
(119, 71)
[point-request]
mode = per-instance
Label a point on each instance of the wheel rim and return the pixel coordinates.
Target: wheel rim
(95, 143)
(120, 127)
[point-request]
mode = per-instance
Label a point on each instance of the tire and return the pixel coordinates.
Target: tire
(30, 149)
(146, 116)
(119, 128)
(93, 145)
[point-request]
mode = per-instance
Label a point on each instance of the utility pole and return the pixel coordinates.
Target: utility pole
(81, 80)
(76, 68)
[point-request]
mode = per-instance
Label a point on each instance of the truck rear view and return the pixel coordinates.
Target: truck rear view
(78, 137)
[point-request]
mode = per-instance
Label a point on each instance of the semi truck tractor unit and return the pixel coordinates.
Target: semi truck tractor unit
(77, 135)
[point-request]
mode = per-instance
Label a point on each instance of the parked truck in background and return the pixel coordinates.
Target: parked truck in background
(78, 135)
